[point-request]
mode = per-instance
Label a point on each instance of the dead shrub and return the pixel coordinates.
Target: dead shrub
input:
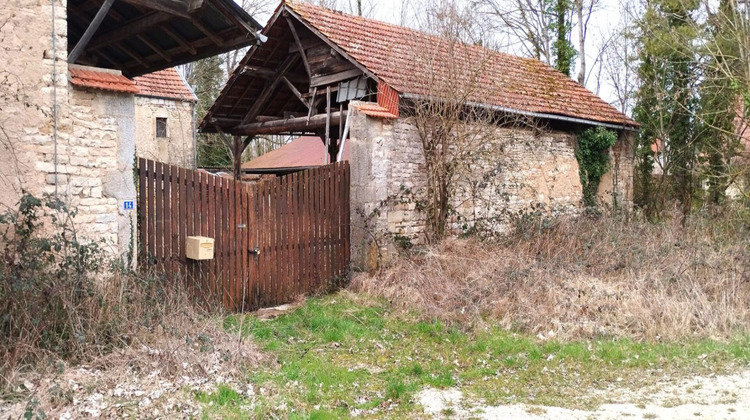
(65, 303)
(584, 277)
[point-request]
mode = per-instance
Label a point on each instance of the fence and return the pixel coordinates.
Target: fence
(274, 240)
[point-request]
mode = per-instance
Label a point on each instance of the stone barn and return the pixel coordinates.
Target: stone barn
(361, 83)
(70, 110)
(165, 118)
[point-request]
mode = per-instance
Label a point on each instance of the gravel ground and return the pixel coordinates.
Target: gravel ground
(701, 397)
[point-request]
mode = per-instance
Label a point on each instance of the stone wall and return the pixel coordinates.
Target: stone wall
(177, 147)
(84, 155)
(27, 93)
(519, 168)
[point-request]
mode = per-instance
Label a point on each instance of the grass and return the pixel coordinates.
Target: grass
(347, 353)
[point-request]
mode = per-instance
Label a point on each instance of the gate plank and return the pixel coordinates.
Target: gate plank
(142, 225)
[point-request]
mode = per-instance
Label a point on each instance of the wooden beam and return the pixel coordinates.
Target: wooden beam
(295, 92)
(330, 43)
(265, 95)
(336, 77)
(299, 45)
(229, 14)
(312, 103)
(308, 95)
(90, 31)
(266, 73)
(129, 28)
(132, 55)
(173, 7)
(300, 124)
(207, 32)
(179, 40)
(154, 47)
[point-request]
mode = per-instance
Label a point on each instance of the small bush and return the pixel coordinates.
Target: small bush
(62, 299)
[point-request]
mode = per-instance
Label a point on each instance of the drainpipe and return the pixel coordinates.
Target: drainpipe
(54, 94)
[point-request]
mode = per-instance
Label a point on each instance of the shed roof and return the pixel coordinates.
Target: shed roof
(143, 36)
(411, 62)
(165, 83)
(405, 61)
(101, 79)
(304, 152)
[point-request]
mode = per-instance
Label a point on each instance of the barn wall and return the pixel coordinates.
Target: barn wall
(521, 168)
(95, 135)
(177, 147)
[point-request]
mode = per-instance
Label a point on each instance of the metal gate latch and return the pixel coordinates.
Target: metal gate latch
(255, 251)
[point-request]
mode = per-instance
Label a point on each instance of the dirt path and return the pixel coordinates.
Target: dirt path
(703, 397)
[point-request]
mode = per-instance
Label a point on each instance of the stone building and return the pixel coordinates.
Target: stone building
(68, 121)
(165, 118)
(362, 83)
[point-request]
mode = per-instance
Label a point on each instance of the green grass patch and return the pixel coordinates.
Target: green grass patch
(346, 353)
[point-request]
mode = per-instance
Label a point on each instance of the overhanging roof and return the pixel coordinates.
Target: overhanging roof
(142, 36)
(410, 63)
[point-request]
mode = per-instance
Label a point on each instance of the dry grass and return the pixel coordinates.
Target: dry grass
(166, 346)
(585, 277)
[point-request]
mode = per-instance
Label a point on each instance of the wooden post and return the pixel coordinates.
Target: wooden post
(90, 31)
(328, 125)
(237, 157)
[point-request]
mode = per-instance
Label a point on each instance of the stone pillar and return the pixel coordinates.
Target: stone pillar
(370, 165)
(119, 182)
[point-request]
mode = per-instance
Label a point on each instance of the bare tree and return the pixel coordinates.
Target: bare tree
(457, 134)
(528, 22)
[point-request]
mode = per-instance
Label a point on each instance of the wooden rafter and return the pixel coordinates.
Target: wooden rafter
(296, 92)
(179, 40)
(90, 31)
(207, 32)
(155, 48)
(181, 8)
(265, 95)
(331, 44)
(127, 29)
(299, 46)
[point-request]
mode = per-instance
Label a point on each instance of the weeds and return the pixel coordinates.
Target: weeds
(591, 276)
(348, 355)
(64, 302)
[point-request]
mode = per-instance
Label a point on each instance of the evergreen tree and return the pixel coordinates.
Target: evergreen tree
(562, 49)
(666, 102)
(207, 79)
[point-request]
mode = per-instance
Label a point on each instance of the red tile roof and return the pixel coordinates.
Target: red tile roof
(101, 79)
(414, 62)
(303, 152)
(165, 83)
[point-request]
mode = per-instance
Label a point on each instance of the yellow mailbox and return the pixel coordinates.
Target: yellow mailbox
(199, 248)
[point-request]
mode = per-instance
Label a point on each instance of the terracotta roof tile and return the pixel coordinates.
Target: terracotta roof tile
(103, 80)
(375, 110)
(165, 83)
(414, 62)
(303, 152)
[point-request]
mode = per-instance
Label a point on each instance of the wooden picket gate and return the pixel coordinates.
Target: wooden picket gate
(274, 240)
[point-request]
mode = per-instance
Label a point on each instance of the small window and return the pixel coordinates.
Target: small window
(161, 127)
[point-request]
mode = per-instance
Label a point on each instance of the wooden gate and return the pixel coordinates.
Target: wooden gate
(274, 240)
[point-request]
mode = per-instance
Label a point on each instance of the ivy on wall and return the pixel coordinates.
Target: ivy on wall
(593, 158)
